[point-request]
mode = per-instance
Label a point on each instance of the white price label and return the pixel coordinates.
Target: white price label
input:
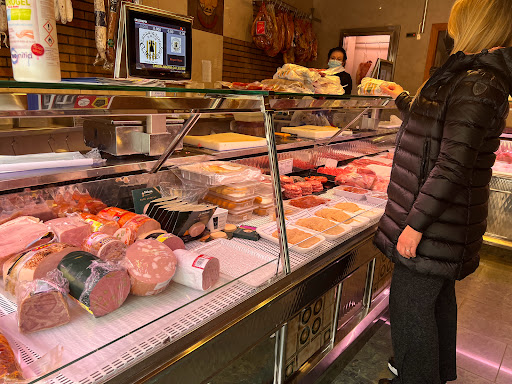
(331, 163)
(285, 166)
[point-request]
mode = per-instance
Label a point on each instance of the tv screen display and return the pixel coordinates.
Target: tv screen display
(159, 46)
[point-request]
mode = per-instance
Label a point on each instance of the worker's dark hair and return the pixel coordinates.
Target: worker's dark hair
(342, 50)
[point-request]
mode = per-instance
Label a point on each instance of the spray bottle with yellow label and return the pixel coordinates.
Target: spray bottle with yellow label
(33, 40)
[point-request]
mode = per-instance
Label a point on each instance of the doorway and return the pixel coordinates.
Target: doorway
(365, 46)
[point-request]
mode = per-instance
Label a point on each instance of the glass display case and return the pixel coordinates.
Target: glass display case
(323, 236)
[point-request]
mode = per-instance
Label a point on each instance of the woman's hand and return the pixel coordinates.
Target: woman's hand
(408, 242)
(391, 89)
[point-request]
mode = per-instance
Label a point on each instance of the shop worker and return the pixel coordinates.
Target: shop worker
(436, 213)
(336, 57)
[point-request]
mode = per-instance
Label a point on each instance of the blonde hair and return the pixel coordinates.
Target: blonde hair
(475, 25)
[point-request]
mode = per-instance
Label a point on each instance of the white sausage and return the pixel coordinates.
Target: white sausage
(69, 11)
(62, 11)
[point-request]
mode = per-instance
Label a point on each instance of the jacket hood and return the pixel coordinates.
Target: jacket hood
(498, 61)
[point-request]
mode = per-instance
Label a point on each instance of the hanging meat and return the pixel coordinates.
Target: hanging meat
(362, 71)
(278, 33)
(289, 31)
(301, 41)
(289, 56)
(262, 29)
(3, 23)
(112, 28)
(100, 31)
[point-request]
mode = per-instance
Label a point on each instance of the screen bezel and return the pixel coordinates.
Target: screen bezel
(131, 44)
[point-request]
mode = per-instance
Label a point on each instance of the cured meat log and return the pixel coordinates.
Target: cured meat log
(34, 264)
(289, 28)
(112, 28)
(9, 368)
(195, 270)
(42, 303)
(70, 230)
(137, 224)
(98, 224)
(18, 234)
(151, 266)
(121, 216)
(105, 247)
(140, 225)
(100, 287)
(172, 241)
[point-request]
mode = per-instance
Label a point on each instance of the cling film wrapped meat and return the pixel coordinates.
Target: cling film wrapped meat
(100, 287)
(262, 29)
(371, 87)
(42, 303)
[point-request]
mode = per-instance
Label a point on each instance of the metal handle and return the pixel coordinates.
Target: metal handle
(346, 126)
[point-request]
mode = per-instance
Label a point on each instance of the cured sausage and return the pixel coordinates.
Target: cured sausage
(172, 241)
(112, 29)
(100, 30)
(98, 286)
(105, 247)
(69, 11)
(99, 224)
(140, 225)
(151, 266)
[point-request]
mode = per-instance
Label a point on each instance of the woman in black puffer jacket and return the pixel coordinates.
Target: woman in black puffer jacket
(436, 214)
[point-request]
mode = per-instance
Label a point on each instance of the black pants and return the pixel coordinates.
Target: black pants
(423, 314)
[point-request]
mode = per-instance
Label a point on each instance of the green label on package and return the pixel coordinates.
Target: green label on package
(142, 197)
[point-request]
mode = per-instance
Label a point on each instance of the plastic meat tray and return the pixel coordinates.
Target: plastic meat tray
(238, 261)
(266, 232)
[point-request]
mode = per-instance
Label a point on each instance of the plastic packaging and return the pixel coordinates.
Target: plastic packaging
(229, 204)
(99, 224)
(105, 247)
(264, 211)
(99, 286)
(215, 173)
(353, 193)
(33, 40)
(308, 202)
(237, 191)
(371, 87)
(34, 264)
(239, 216)
(42, 303)
(189, 192)
(195, 270)
(9, 367)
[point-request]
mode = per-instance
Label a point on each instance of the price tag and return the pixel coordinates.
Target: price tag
(285, 166)
(331, 163)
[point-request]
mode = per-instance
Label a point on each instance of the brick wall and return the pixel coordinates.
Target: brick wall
(244, 62)
(76, 45)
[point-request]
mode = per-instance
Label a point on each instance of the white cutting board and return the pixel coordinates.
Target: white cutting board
(225, 141)
(311, 131)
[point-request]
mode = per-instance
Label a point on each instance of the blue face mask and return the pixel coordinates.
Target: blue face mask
(334, 63)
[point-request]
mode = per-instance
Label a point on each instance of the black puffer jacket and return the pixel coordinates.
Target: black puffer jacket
(442, 165)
